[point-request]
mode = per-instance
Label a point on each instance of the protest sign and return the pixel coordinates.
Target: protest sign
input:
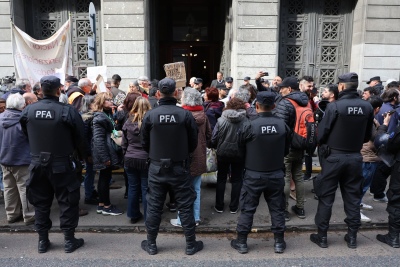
(177, 72)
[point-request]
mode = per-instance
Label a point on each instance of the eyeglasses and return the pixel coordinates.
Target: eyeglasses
(109, 99)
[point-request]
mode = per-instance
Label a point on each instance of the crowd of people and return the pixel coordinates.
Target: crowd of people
(160, 134)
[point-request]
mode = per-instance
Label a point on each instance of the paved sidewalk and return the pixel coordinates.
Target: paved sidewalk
(211, 221)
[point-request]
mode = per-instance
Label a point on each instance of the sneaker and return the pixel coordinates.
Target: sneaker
(299, 212)
(293, 195)
(287, 216)
(234, 211)
(364, 218)
(198, 223)
(383, 199)
(174, 222)
(217, 210)
(171, 207)
(366, 207)
(99, 209)
(371, 194)
(112, 210)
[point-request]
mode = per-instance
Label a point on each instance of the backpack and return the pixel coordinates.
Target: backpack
(305, 129)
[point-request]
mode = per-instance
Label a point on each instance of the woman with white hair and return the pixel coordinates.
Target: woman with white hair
(15, 159)
(192, 101)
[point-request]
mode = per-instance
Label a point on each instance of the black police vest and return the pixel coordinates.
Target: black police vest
(266, 151)
(220, 85)
(348, 131)
(168, 136)
(47, 129)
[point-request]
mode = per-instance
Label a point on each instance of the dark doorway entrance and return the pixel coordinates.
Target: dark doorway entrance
(188, 31)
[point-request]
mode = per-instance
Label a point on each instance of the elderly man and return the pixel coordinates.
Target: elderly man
(30, 98)
(22, 86)
(144, 85)
(75, 94)
(15, 159)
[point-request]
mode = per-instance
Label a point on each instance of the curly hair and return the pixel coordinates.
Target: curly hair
(235, 103)
(98, 103)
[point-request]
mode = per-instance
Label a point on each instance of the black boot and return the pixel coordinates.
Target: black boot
(351, 238)
(150, 245)
(71, 243)
(193, 246)
(280, 243)
(320, 239)
(240, 243)
(44, 242)
(391, 238)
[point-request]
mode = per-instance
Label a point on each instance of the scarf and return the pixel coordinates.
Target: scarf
(193, 108)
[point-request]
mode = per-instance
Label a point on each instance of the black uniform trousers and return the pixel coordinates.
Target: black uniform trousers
(272, 184)
(58, 178)
(162, 180)
(393, 194)
(344, 169)
(379, 181)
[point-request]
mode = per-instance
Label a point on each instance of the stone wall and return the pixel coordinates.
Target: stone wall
(124, 39)
(376, 40)
(6, 60)
(255, 35)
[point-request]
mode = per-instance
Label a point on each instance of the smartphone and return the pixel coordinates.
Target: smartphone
(389, 112)
(265, 73)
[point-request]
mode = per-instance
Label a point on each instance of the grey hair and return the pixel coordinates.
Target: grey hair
(63, 98)
(135, 83)
(191, 97)
(87, 100)
(143, 78)
(243, 94)
(22, 83)
(15, 101)
(83, 82)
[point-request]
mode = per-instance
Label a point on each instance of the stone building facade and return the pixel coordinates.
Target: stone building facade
(321, 38)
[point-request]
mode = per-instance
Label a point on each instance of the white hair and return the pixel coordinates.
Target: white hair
(15, 101)
(84, 82)
(191, 97)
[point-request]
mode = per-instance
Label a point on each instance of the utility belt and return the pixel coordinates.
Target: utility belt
(168, 163)
(324, 151)
(338, 151)
(45, 158)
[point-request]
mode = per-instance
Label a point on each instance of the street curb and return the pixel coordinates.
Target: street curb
(199, 230)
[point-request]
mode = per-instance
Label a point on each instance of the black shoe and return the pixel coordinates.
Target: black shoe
(391, 238)
(321, 241)
(193, 247)
(240, 245)
(307, 177)
(287, 216)
(171, 207)
(151, 248)
(135, 220)
(73, 244)
(351, 240)
(299, 212)
(279, 245)
(92, 201)
(43, 246)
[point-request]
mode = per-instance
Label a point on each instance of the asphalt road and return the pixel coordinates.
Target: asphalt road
(20, 249)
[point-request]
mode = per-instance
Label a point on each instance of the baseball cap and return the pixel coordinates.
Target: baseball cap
(266, 98)
(198, 80)
(229, 79)
(348, 77)
(291, 82)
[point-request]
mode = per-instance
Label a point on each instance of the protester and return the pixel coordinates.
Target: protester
(212, 106)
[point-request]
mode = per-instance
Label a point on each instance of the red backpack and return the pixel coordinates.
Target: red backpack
(305, 129)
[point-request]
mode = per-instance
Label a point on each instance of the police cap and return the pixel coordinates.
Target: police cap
(167, 86)
(266, 98)
(348, 77)
(247, 78)
(52, 81)
(229, 79)
(376, 78)
(291, 82)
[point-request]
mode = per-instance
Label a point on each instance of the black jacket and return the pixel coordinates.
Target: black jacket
(286, 111)
(88, 133)
(102, 150)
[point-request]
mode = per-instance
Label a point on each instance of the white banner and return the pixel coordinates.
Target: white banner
(34, 59)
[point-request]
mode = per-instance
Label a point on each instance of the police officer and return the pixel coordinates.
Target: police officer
(55, 132)
(169, 135)
(345, 127)
(264, 172)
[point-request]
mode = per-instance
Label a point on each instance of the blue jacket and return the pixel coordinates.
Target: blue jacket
(14, 145)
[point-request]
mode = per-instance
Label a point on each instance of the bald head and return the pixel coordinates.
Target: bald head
(30, 98)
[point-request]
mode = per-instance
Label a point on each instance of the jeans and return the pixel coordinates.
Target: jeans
(136, 179)
(89, 180)
(1, 180)
(196, 204)
(368, 171)
(104, 186)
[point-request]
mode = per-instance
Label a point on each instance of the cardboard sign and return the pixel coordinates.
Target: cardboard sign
(177, 72)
